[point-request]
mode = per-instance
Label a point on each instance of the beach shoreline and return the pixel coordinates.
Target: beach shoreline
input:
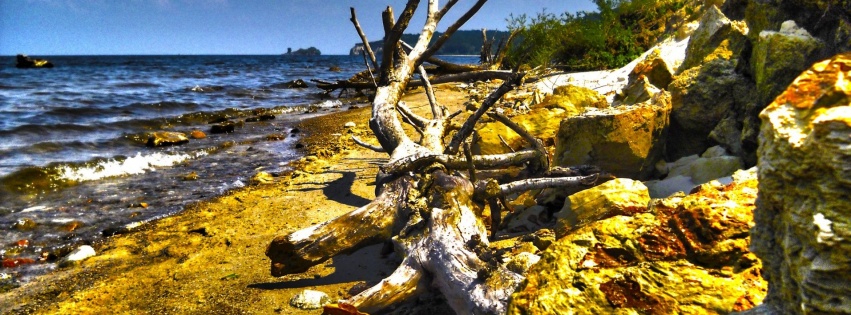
(210, 257)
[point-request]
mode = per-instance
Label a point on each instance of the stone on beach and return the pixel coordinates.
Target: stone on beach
(625, 140)
(166, 138)
(77, 255)
(262, 178)
(309, 300)
(542, 121)
(621, 196)
(225, 127)
(197, 134)
(690, 171)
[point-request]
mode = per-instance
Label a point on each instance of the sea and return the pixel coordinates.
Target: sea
(75, 167)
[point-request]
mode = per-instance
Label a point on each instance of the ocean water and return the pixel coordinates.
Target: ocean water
(74, 165)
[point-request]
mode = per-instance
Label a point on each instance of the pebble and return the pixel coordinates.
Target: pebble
(309, 300)
(197, 134)
(262, 178)
(77, 255)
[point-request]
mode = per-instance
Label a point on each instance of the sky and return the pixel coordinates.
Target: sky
(129, 27)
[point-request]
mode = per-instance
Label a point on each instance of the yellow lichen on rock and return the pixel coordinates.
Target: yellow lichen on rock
(615, 197)
(681, 255)
(542, 121)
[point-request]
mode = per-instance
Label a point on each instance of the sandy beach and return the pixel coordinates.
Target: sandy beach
(210, 259)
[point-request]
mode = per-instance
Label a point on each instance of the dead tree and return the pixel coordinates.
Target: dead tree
(424, 203)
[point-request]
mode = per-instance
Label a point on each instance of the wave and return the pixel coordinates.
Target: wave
(57, 175)
(135, 165)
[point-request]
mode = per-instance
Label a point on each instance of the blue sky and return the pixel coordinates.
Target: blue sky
(109, 27)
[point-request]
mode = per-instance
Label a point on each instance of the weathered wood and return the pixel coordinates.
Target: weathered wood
(363, 38)
(433, 218)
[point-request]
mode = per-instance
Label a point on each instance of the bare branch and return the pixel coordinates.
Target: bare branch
(418, 161)
(503, 49)
(436, 110)
(446, 8)
(415, 120)
(372, 76)
(363, 38)
(550, 182)
(367, 145)
(467, 128)
(471, 168)
(537, 145)
(443, 65)
(451, 30)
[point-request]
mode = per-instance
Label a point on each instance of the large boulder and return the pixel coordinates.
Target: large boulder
(780, 56)
(616, 197)
(716, 38)
(625, 140)
(542, 120)
(803, 218)
(681, 255)
(704, 99)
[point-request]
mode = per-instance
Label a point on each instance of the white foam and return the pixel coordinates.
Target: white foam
(330, 104)
(36, 208)
(138, 164)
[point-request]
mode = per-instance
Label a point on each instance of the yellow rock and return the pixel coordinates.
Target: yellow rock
(542, 121)
(615, 197)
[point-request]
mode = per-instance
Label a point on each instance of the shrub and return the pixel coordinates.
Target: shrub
(610, 38)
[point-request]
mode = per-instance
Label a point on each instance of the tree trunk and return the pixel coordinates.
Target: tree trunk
(432, 215)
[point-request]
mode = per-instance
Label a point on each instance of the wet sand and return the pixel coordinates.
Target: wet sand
(209, 259)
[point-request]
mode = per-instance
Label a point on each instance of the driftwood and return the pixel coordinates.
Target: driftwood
(467, 76)
(424, 203)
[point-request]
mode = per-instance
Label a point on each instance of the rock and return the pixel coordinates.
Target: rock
(264, 117)
(350, 124)
(294, 84)
(636, 92)
(24, 224)
(521, 262)
(701, 98)
(77, 255)
(166, 138)
(803, 218)
(191, 176)
(571, 97)
(225, 127)
(625, 141)
(780, 56)
(681, 255)
(716, 38)
(24, 62)
(276, 137)
(542, 120)
(616, 197)
(309, 300)
(334, 69)
(654, 69)
(690, 171)
(197, 134)
(262, 178)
